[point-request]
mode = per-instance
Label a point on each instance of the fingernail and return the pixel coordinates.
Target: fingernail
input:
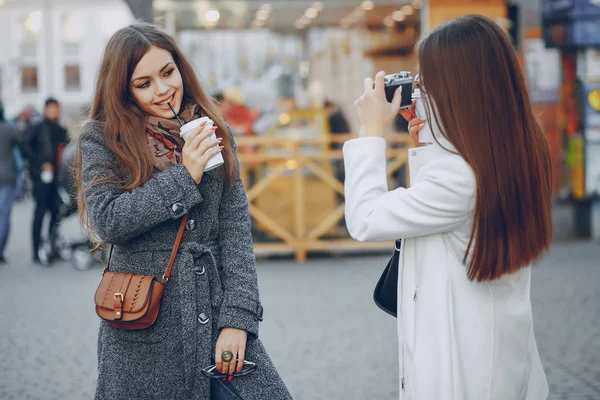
(203, 123)
(224, 379)
(422, 125)
(220, 139)
(214, 128)
(221, 147)
(230, 378)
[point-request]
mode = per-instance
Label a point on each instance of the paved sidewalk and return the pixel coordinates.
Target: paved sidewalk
(321, 327)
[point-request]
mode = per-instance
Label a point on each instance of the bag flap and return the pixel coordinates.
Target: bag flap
(136, 291)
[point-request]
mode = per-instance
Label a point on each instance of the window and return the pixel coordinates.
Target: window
(29, 79)
(29, 26)
(72, 28)
(72, 77)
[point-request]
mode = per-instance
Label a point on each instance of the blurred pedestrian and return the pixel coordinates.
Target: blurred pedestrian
(27, 117)
(337, 125)
(477, 214)
(337, 120)
(44, 142)
(238, 115)
(137, 179)
(9, 143)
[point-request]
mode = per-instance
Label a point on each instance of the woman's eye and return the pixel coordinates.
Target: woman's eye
(169, 72)
(144, 85)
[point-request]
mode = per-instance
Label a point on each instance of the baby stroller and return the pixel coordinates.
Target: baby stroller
(78, 252)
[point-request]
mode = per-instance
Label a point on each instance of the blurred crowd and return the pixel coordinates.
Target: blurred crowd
(31, 151)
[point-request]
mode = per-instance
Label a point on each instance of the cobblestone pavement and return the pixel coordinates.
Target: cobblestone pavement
(321, 327)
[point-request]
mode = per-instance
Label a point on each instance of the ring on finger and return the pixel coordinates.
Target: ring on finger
(227, 356)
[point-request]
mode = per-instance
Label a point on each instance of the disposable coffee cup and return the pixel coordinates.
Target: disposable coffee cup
(215, 160)
(425, 134)
(47, 176)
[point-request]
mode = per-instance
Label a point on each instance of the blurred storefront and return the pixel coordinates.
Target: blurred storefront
(286, 58)
(573, 27)
(53, 48)
(279, 62)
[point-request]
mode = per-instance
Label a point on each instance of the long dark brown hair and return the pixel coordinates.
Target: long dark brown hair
(123, 121)
(470, 71)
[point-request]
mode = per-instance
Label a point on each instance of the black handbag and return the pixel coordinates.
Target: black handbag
(385, 294)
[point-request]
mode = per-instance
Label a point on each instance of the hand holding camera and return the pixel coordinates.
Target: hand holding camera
(373, 109)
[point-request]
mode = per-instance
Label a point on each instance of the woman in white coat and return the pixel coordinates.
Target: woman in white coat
(477, 214)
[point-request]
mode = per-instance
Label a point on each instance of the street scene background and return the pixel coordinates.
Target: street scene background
(285, 75)
(321, 327)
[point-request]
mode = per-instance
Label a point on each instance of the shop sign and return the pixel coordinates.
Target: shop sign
(586, 32)
(555, 10)
(586, 8)
(578, 33)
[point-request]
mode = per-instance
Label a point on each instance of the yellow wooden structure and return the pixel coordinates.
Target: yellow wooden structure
(294, 196)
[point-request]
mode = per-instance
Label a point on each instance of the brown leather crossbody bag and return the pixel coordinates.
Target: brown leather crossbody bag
(129, 301)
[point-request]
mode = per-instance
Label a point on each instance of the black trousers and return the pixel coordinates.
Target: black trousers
(46, 201)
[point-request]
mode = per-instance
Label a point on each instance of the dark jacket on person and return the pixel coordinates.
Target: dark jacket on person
(338, 124)
(213, 283)
(9, 137)
(43, 143)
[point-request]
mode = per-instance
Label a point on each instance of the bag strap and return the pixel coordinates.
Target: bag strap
(167, 273)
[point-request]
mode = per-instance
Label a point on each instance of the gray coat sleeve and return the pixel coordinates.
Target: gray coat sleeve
(241, 306)
(117, 215)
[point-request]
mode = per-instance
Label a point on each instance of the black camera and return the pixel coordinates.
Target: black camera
(393, 81)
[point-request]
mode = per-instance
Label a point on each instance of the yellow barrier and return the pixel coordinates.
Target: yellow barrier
(296, 199)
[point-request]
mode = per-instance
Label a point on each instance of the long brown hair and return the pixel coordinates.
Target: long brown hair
(471, 73)
(122, 120)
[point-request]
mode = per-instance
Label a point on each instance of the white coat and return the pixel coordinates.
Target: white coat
(459, 339)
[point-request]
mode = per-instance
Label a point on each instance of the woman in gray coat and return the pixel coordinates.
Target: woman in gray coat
(137, 178)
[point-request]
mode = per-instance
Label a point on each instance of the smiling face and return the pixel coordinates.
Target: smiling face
(155, 82)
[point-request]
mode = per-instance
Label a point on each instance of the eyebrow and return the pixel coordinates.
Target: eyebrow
(147, 77)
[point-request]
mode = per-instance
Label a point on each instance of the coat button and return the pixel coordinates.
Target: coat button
(199, 270)
(203, 318)
(190, 225)
(413, 153)
(177, 208)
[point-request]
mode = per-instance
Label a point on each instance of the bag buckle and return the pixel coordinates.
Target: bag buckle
(118, 300)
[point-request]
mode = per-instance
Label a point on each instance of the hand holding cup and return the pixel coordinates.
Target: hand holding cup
(200, 148)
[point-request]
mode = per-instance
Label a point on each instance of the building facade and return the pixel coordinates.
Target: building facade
(52, 48)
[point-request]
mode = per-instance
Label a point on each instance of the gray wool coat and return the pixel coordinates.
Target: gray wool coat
(213, 282)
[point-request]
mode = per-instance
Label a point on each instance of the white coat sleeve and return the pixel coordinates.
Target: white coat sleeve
(441, 199)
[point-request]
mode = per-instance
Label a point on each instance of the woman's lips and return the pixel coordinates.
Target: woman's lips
(163, 105)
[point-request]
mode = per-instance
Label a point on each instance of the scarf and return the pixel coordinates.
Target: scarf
(162, 136)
